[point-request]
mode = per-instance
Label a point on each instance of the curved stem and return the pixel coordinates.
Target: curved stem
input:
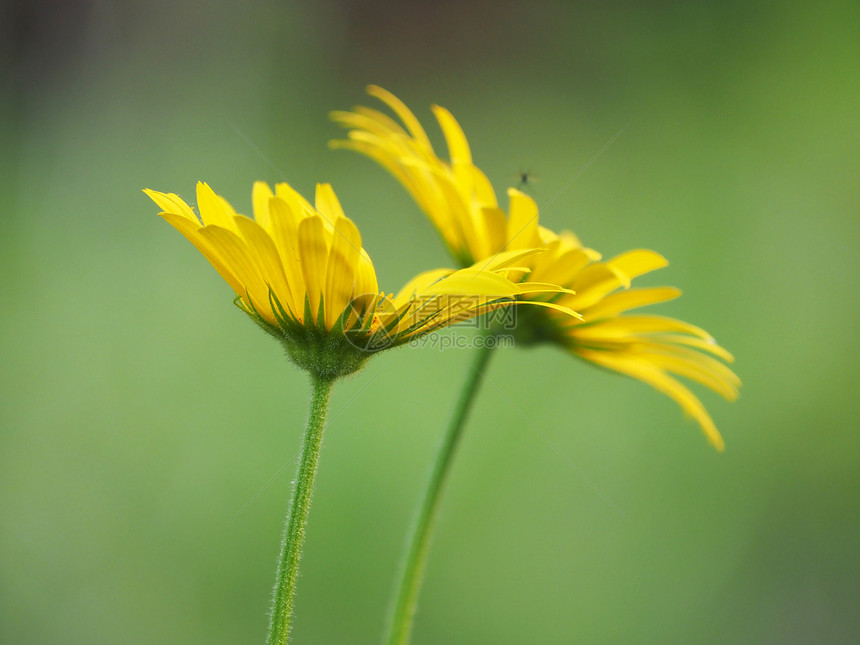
(418, 545)
(297, 515)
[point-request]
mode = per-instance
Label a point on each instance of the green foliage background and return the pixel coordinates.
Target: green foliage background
(149, 430)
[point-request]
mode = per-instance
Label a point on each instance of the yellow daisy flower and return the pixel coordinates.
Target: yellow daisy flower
(461, 203)
(301, 273)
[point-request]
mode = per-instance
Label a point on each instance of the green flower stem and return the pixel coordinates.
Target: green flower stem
(297, 515)
(418, 545)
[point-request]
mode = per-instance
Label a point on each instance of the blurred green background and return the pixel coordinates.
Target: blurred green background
(149, 430)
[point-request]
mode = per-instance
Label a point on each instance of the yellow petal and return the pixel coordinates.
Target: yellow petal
(327, 204)
(285, 226)
(214, 209)
(506, 259)
(385, 158)
(366, 288)
(384, 121)
(313, 252)
(408, 166)
(697, 367)
(523, 221)
(541, 287)
(461, 166)
(342, 259)
(484, 193)
(365, 276)
(709, 345)
(593, 283)
(236, 255)
(495, 228)
(265, 254)
(419, 284)
(172, 203)
(473, 282)
(571, 240)
(191, 229)
(677, 358)
(368, 120)
(555, 307)
(454, 217)
(630, 325)
(626, 300)
(543, 263)
(402, 111)
(638, 262)
(568, 265)
(458, 146)
(300, 206)
(260, 197)
(663, 383)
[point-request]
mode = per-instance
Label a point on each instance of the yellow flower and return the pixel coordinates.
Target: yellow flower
(301, 273)
(461, 203)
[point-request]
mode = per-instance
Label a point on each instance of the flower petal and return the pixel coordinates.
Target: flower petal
(412, 124)
(285, 227)
(419, 284)
(343, 257)
(365, 276)
(238, 257)
(374, 121)
(593, 283)
(313, 253)
(626, 300)
(495, 227)
(214, 209)
(172, 203)
(299, 205)
(522, 222)
(638, 262)
(629, 325)
(458, 146)
(327, 204)
(265, 254)
(661, 381)
(191, 230)
(260, 197)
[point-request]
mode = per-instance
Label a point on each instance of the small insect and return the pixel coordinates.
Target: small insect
(525, 180)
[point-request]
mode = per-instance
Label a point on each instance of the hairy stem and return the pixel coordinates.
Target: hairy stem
(297, 515)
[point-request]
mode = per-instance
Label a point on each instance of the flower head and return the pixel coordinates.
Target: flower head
(301, 273)
(461, 203)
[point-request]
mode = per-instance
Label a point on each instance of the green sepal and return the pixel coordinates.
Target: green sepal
(325, 354)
